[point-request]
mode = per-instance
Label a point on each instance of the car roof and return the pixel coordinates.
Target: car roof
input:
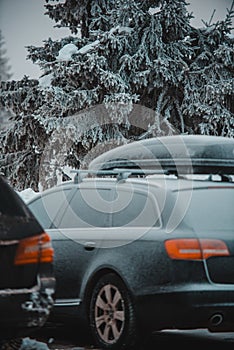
(168, 183)
(187, 182)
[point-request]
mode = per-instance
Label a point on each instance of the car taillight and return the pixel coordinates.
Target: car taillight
(195, 249)
(36, 249)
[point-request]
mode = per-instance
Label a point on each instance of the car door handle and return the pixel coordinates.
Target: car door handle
(89, 245)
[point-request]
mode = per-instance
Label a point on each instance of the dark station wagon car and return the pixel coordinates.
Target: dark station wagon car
(27, 282)
(146, 244)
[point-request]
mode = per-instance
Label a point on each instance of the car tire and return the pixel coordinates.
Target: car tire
(112, 315)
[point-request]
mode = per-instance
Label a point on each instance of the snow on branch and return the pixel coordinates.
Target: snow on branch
(153, 10)
(89, 47)
(65, 54)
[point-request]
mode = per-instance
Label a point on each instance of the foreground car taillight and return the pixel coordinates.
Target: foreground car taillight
(195, 249)
(36, 249)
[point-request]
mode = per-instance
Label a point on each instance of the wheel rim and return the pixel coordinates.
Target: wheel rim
(109, 314)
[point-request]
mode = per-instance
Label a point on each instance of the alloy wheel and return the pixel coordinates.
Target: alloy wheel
(109, 313)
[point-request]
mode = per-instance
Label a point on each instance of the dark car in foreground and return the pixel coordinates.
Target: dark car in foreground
(27, 282)
(146, 247)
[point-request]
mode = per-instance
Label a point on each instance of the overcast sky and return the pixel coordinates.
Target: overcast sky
(23, 23)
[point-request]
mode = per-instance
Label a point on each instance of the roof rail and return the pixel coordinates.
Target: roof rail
(121, 174)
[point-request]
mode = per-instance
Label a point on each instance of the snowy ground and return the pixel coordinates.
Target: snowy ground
(200, 338)
(31, 344)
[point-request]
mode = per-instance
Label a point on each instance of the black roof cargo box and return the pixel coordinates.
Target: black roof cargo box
(199, 154)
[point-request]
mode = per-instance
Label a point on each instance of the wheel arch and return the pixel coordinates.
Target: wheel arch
(93, 279)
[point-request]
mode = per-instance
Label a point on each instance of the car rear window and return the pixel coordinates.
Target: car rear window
(211, 209)
(134, 209)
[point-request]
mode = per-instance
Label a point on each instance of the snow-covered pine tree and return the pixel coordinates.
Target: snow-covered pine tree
(4, 76)
(208, 103)
(130, 62)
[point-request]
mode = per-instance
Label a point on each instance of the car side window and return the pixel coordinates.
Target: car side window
(88, 208)
(132, 208)
(46, 207)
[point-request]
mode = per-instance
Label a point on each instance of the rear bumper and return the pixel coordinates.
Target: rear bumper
(25, 310)
(188, 309)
